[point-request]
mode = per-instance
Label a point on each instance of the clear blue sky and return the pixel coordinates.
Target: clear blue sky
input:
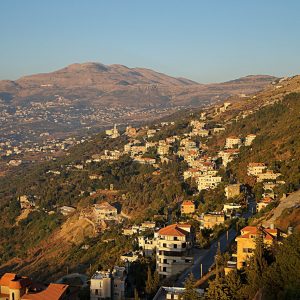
(207, 41)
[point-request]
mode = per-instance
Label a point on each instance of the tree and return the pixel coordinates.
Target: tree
(136, 295)
(149, 282)
(190, 292)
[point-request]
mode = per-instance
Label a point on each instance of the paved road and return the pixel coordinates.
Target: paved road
(206, 257)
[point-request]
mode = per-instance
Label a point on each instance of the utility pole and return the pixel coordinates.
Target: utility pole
(201, 271)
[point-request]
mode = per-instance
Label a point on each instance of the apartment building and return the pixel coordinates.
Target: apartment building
(108, 284)
(173, 251)
(208, 181)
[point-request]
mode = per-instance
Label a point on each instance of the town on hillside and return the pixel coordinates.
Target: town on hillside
(151, 212)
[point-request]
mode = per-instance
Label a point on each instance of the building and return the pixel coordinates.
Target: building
(212, 219)
(228, 208)
(131, 131)
(166, 293)
(101, 285)
(263, 203)
(113, 133)
(187, 207)
(173, 251)
(249, 139)
(232, 190)
(15, 287)
(246, 242)
(268, 175)
(105, 211)
(208, 181)
(54, 291)
(147, 244)
(233, 142)
(255, 169)
(67, 210)
(26, 202)
(118, 284)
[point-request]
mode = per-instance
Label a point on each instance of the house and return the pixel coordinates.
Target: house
(145, 160)
(166, 293)
(54, 291)
(15, 287)
(212, 219)
(187, 207)
(208, 181)
(246, 242)
(26, 202)
(255, 169)
(130, 131)
(147, 244)
(163, 149)
(173, 250)
(263, 203)
(249, 139)
(228, 208)
(130, 257)
(100, 287)
(105, 211)
(232, 142)
(228, 155)
(67, 210)
(268, 175)
(232, 190)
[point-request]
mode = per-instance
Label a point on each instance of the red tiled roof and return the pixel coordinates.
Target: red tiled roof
(187, 202)
(173, 230)
(269, 234)
(14, 281)
(54, 291)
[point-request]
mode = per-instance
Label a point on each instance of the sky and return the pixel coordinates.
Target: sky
(206, 41)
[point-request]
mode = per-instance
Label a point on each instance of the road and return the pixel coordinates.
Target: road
(206, 257)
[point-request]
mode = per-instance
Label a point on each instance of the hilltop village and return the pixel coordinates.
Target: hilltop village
(151, 206)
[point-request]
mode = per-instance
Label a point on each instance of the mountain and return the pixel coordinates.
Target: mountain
(99, 84)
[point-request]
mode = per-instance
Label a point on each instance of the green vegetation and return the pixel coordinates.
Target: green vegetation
(272, 273)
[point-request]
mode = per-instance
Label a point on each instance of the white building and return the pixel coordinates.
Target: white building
(108, 285)
(249, 139)
(173, 251)
(232, 142)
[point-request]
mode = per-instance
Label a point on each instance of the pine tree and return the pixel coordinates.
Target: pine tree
(149, 283)
(190, 292)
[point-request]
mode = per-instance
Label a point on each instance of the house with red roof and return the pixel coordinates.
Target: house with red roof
(187, 207)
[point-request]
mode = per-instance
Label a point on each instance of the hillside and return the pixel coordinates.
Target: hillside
(141, 191)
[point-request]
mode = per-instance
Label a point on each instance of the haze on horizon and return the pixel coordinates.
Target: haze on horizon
(205, 41)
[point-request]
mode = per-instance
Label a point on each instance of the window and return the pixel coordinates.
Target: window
(96, 292)
(175, 246)
(164, 245)
(164, 269)
(175, 238)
